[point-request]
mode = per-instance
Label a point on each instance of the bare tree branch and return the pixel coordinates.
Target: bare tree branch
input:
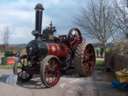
(121, 17)
(97, 20)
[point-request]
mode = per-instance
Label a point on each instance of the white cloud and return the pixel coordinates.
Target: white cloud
(20, 22)
(56, 1)
(22, 33)
(20, 16)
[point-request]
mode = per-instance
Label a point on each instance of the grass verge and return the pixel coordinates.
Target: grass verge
(6, 66)
(100, 64)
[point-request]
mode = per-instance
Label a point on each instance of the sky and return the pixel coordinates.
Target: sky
(19, 17)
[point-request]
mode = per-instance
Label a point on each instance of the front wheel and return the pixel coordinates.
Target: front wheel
(50, 71)
(20, 69)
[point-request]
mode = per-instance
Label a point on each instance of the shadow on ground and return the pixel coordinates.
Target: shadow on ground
(97, 85)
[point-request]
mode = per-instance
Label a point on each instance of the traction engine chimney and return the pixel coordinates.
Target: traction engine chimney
(38, 19)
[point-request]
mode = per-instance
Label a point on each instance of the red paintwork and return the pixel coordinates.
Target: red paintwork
(59, 50)
(75, 42)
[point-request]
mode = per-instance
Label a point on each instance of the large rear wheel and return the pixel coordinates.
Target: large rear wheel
(50, 71)
(85, 59)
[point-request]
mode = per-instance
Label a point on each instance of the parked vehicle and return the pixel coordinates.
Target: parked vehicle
(51, 57)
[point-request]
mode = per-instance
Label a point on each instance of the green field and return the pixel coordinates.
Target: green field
(6, 66)
(100, 64)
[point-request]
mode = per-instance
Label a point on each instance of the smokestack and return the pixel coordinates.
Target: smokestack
(38, 19)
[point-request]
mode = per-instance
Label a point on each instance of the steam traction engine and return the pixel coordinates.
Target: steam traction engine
(51, 57)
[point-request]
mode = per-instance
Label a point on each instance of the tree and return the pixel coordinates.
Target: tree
(121, 12)
(6, 38)
(97, 20)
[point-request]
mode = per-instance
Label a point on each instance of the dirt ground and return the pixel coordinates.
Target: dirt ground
(97, 85)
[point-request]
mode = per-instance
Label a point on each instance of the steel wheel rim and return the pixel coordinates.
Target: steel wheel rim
(20, 70)
(23, 75)
(19, 66)
(52, 72)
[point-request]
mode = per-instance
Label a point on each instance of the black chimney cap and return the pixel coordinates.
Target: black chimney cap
(39, 6)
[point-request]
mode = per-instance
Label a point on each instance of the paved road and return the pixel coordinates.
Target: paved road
(97, 85)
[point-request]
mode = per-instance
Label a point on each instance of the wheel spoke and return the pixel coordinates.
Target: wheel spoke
(52, 72)
(20, 69)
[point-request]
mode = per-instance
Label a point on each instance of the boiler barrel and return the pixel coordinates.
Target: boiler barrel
(42, 49)
(58, 50)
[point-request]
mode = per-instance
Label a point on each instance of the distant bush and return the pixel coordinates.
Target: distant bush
(121, 48)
